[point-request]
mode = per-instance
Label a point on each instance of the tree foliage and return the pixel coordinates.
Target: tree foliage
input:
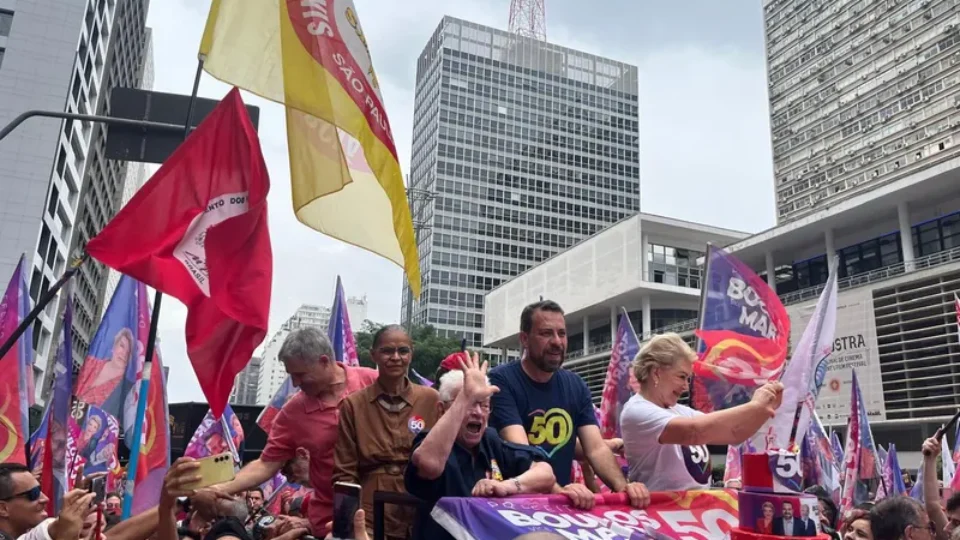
(429, 349)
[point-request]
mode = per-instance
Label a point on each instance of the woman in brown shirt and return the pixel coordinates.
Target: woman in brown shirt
(377, 427)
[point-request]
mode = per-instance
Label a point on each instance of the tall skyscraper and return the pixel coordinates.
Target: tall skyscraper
(860, 95)
(246, 383)
(521, 148)
(58, 188)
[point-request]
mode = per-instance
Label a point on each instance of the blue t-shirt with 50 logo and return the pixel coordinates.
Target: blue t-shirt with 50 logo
(550, 413)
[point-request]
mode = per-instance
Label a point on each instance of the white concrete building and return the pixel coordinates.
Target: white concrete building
(59, 190)
(646, 264)
(899, 253)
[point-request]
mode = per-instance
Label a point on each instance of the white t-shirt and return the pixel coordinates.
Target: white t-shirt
(661, 467)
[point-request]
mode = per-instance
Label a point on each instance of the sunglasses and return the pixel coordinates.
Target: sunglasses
(33, 494)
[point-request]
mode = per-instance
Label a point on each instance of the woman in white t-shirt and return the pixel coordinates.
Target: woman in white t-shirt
(666, 443)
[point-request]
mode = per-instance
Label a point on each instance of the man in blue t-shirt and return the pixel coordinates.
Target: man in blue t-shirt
(550, 408)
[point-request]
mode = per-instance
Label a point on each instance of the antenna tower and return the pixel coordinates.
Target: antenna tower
(528, 18)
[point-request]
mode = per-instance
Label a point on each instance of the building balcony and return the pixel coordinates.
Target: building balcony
(872, 277)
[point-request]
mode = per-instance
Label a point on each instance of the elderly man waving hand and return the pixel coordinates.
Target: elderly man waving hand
(462, 457)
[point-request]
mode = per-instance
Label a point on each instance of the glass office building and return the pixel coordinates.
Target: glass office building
(521, 149)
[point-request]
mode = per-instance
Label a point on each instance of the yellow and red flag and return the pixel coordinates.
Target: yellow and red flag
(312, 57)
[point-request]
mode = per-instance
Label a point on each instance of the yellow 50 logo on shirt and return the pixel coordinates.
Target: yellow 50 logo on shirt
(553, 428)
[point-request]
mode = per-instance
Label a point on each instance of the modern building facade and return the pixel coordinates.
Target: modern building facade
(137, 173)
(861, 95)
(246, 384)
(898, 249)
(272, 372)
(59, 190)
(521, 149)
(647, 266)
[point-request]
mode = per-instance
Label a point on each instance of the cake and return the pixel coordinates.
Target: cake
(771, 499)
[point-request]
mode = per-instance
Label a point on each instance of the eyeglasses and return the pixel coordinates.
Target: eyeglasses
(390, 351)
(929, 527)
(33, 494)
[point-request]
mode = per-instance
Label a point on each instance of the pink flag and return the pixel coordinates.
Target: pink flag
(732, 469)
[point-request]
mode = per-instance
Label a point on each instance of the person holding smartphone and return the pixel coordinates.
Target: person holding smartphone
(309, 420)
(463, 457)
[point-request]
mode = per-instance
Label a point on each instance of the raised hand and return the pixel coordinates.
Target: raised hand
(769, 396)
(182, 473)
(475, 387)
(931, 447)
(76, 507)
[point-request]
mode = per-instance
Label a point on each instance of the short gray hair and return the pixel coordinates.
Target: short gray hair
(307, 344)
(451, 383)
(235, 508)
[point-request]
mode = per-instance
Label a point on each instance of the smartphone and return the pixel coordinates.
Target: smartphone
(214, 470)
(98, 486)
(346, 502)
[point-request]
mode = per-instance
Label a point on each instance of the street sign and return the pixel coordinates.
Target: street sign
(152, 145)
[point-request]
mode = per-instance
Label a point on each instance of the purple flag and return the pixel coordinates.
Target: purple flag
(837, 448)
(616, 387)
(892, 476)
(56, 461)
(860, 456)
(339, 331)
(111, 371)
(420, 378)
(210, 440)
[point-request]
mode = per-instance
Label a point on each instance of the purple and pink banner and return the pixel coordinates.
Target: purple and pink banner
(16, 370)
(210, 440)
(339, 331)
(743, 331)
(617, 386)
(695, 515)
(860, 456)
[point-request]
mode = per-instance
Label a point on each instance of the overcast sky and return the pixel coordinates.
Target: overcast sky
(704, 151)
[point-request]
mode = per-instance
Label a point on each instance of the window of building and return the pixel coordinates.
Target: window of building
(6, 21)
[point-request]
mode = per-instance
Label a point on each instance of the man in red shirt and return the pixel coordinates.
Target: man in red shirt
(308, 420)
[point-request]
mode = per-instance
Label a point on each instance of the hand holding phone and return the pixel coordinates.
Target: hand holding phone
(213, 470)
(98, 486)
(346, 502)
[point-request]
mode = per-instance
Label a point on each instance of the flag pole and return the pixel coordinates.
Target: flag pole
(229, 438)
(151, 347)
(704, 281)
(41, 305)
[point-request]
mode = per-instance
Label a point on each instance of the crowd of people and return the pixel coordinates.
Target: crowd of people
(517, 429)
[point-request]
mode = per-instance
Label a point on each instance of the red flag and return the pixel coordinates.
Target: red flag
(198, 231)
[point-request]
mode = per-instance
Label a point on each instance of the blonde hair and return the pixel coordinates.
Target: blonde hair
(663, 351)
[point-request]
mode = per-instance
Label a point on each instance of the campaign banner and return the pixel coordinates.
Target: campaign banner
(210, 440)
(854, 349)
(696, 515)
(743, 335)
